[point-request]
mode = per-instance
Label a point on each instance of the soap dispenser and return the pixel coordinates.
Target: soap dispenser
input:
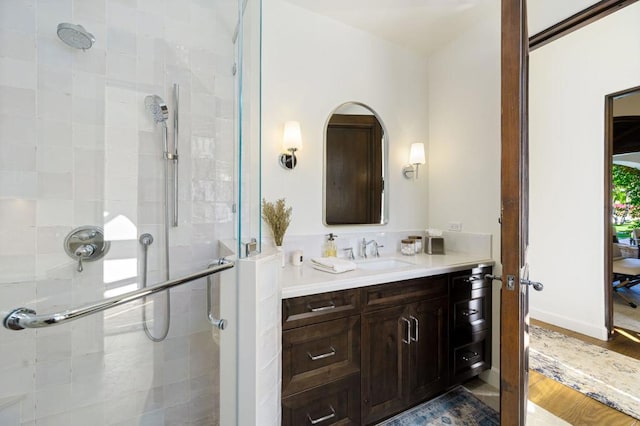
(329, 249)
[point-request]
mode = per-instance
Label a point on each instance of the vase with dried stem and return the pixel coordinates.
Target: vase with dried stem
(278, 217)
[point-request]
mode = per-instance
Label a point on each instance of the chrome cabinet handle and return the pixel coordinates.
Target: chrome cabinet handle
(469, 312)
(322, 419)
(415, 321)
(408, 339)
(322, 308)
(467, 358)
(472, 279)
(332, 352)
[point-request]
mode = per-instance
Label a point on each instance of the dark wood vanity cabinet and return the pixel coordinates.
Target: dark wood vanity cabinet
(321, 359)
(404, 347)
(358, 356)
(470, 324)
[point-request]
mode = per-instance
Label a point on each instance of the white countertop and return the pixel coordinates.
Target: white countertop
(304, 280)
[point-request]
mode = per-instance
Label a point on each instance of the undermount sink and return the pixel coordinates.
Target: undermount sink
(381, 264)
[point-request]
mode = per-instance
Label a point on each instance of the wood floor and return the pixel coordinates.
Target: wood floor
(571, 405)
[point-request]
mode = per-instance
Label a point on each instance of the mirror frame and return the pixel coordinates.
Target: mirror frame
(385, 167)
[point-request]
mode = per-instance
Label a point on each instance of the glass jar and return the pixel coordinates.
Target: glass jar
(417, 240)
(408, 247)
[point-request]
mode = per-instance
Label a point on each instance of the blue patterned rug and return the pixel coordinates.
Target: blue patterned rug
(456, 407)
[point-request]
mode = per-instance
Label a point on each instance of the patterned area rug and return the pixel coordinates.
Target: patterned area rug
(599, 373)
(456, 407)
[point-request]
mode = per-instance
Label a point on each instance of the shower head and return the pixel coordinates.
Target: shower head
(75, 36)
(156, 106)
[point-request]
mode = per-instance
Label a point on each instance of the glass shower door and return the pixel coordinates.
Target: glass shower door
(80, 147)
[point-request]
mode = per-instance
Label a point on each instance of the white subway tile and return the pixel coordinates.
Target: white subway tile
(54, 78)
(90, 10)
(18, 16)
(53, 52)
(17, 156)
(50, 238)
(17, 45)
(53, 372)
(50, 13)
(88, 415)
(121, 41)
(87, 212)
(19, 73)
(54, 105)
(88, 137)
(18, 184)
(88, 85)
(17, 102)
(54, 212)
(54, 133)
(88, 111)
(95, 61)
(47, 406)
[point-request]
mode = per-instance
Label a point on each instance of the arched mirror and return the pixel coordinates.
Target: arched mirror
(355, 167)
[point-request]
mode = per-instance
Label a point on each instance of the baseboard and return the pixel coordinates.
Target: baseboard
(491, 377)
(598, 332)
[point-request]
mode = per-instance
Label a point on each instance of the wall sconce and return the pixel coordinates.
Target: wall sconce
(291, 142)
(416, 157)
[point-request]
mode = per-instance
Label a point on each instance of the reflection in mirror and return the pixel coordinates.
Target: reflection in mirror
(355, 164)
(625, 198)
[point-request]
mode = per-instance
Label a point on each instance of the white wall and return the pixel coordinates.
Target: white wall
(569, 79)
(315, 64)
(464, 138)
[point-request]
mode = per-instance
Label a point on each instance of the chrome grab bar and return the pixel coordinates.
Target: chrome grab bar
(22, 318)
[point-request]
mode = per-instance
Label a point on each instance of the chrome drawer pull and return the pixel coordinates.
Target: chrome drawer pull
(322, 356)
(414, 338)
(322, 308)
(469, 312)
(322, 419)
(467, 358)
(472, 279)
(408, 339)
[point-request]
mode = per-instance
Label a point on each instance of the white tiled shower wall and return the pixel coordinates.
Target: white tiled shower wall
(78, 148)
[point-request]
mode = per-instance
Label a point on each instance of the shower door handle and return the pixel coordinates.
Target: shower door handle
(213, 318)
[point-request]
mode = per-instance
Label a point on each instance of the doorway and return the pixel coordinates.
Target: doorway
(622, 201)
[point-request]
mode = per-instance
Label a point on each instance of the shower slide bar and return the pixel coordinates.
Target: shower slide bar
(22, 318)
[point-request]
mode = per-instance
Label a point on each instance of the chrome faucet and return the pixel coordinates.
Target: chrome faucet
(349, 253)
(363, 247)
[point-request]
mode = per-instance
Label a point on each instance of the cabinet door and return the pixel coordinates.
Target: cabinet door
(384, 357)
(428, 365)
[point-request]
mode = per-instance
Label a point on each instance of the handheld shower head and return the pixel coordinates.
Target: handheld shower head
(157, 107)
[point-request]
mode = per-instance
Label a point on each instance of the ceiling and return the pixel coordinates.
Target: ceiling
(423, 25)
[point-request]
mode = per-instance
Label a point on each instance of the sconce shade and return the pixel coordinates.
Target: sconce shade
(291, 142)
(292, 138)
(416, 154)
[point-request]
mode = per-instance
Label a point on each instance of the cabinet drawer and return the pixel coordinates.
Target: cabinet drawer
(471, 315)
(335, 403)
(463, 283)
(316, 354)
(471, 359)
(402, 292)
(305, 310)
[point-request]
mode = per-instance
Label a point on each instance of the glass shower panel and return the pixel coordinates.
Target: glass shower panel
(77, 148)
(249, 127)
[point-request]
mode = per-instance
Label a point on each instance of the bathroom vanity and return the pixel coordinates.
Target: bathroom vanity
(362, 346)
